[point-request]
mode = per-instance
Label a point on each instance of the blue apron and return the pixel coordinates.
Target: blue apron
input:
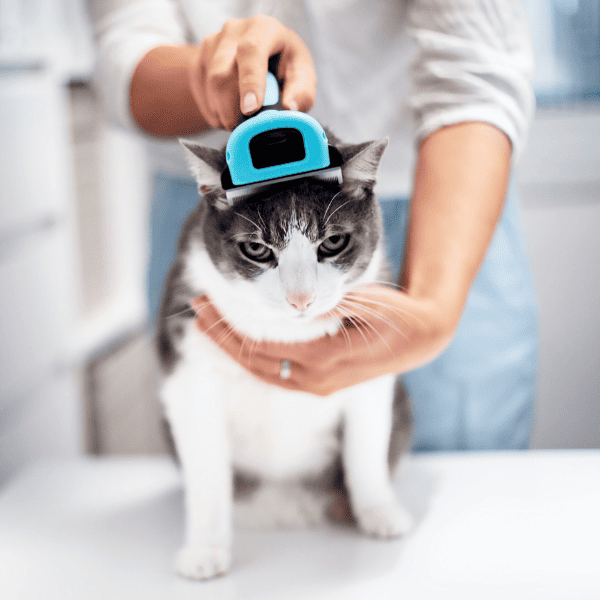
(479, 393)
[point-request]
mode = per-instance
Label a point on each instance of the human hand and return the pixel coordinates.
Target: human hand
(229, 70)
(384, 331)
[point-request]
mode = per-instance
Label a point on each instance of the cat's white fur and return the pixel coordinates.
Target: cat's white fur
(222, 417)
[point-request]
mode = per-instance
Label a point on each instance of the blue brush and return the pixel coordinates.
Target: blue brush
(277, 146)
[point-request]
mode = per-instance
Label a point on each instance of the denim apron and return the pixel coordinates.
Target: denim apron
(479, 393)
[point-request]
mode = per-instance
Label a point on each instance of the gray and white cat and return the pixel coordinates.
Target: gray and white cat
(272, 264)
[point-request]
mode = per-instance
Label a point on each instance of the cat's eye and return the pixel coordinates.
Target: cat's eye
(333, 245)
(256, 251)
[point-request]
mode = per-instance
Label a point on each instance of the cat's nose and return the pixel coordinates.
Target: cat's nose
(300, 301)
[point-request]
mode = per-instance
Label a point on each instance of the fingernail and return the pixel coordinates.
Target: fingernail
(293, 105)
(250, 102)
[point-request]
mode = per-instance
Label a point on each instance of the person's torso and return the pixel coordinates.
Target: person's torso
(361, 51)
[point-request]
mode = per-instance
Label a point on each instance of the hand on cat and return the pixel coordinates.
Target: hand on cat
(389, 332)
(230, 67)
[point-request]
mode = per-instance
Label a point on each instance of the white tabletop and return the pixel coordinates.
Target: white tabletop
(502, 525)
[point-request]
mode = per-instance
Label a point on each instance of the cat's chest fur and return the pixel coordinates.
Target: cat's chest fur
(273, 433)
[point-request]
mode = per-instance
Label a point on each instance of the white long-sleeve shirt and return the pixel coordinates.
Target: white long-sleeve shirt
(391, 67)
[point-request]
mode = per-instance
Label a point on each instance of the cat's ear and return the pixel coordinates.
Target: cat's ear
(206, 165)
(361, 161)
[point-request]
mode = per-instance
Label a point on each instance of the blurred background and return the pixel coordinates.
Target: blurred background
(75, 363)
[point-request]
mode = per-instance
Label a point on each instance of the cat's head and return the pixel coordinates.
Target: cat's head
(294, 249)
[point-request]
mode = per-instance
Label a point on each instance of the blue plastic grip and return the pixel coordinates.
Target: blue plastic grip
(238, 152)
(271, 91)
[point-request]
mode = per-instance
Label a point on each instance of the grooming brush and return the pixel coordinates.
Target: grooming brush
(276, 146)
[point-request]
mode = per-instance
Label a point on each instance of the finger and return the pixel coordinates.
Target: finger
(198, 81)
(264, 38)
(240, 349)
(203, 306)
(222, 75)
(209, 321)
(262, 360)
(212, 323)
(300, 81)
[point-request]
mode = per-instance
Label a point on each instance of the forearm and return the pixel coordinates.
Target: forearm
(459, 191)
(161, 76)
(460, 184)
(178, 90)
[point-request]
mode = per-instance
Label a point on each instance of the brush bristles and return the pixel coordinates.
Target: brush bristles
(334, 175)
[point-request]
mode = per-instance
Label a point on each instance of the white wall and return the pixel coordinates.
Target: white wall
(560, 187)
(40, 403)
(47, 329)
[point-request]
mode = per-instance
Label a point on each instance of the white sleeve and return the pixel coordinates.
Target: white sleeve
(474, 63)
(125, 30)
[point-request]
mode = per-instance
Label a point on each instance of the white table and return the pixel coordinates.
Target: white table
(503, 525)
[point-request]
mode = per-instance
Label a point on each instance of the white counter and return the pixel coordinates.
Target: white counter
(503, 525)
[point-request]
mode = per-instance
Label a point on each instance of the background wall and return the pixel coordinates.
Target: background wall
(75, 370)
(560, 186)
(73, 200)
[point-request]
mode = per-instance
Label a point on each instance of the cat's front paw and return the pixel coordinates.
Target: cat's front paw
(386, 521)
(202, 562)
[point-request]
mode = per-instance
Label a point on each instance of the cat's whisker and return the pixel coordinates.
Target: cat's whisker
(179, 288)
(242, 346)
(249, 221)
(372, 311)
(347, 338)
(231, 329)
(344, 332)
(226, 337)
(180, 312)
(358, 325)
(254, 341)
(217, 323)
(229, 332)
(338, 208)
(242, 234)
(376, 302)
(379, 290)
(389, 284)
(374, 329)
(401, 314)
(198, 310)
(359, 329)
(252, 346)
(378, 315)
(329, 205)
(261, 219)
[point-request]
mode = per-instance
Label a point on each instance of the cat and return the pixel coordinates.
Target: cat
(271, 264)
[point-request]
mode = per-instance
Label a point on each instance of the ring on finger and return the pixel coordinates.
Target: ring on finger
(285, 369)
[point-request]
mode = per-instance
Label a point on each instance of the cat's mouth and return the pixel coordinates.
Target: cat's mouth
(304, 317)
(317, 315)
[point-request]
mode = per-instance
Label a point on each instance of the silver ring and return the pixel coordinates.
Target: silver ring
(286, 369)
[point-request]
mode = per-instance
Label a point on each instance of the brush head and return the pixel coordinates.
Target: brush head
(276, 146)
(333, 173)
